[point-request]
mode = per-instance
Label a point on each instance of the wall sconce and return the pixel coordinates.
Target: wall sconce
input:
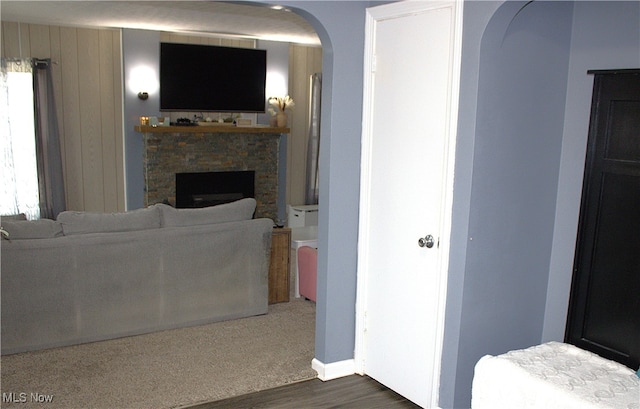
(143, 81)
(276, 83)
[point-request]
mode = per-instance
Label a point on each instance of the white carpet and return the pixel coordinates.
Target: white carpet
(168, 369)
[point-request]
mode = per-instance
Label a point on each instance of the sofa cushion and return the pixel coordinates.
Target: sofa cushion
(19, 216)
(32, 229)
(242, 209)
(86, 222)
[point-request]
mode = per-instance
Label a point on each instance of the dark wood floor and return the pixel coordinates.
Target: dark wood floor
(349, 392)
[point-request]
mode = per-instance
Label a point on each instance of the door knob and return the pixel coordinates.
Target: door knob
(426, 241)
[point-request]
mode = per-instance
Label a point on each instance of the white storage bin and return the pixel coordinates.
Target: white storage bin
(303, 216)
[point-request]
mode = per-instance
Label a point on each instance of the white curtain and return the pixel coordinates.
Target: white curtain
(313, 147)
(19, 164)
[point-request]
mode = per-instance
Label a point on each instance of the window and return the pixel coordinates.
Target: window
(18, 146)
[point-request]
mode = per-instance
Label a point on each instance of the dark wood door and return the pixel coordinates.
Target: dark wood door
(604, 311)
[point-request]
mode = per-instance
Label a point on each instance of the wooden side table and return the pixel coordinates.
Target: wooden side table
(279, 265)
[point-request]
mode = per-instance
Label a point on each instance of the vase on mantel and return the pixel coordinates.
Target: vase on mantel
(281, 120)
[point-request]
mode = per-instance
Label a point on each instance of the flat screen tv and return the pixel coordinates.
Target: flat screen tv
(206, 78)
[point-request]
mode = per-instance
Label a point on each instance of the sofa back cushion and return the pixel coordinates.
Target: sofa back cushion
(31, 229)
(242, 209)
(86, 222)
(19, 216)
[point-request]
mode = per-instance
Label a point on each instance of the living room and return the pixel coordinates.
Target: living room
(86, 65)
(91, 99)
(503, 293)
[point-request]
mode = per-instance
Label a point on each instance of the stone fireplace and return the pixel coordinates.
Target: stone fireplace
(169, 151)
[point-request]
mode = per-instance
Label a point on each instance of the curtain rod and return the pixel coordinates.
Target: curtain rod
(44, 61)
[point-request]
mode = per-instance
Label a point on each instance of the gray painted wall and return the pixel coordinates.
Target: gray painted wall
(524, 57)
(277, 62)
(340, 26)
(139, 47)
(520, 158)
(476, 17)
(605, 35)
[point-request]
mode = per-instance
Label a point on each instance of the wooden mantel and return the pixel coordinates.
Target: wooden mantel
(210, 129)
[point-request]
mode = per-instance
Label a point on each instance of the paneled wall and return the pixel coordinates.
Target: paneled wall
(303, 62)
(88, 86)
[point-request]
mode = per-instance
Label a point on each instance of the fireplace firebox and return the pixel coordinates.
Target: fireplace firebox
(202, 189)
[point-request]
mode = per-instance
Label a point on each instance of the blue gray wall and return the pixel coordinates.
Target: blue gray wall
(340, 26)
(277, 63)
(477, 14)
(515, 157)
(139, 47)
(524, 117)
(517, 136)
(605, 35)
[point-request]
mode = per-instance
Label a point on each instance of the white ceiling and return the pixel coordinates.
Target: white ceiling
(202, 17)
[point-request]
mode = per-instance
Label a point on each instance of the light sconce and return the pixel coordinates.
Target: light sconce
(143, 81)
(276, 83)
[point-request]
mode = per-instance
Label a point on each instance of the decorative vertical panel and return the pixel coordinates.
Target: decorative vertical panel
(68, 66)
(88, 88)
(9, 39)
(303, 62)
(39, 39)
(107, 127)
(89, 72)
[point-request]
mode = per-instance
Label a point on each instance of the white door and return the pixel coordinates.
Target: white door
(410, 117)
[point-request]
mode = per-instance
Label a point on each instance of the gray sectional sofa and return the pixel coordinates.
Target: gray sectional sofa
(89, 277)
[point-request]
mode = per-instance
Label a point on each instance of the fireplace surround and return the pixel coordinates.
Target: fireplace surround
(179, 149)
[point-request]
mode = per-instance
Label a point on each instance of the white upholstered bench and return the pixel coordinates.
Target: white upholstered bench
(553, 375)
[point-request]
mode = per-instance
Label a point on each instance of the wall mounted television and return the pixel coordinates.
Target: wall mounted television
(205, 78)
